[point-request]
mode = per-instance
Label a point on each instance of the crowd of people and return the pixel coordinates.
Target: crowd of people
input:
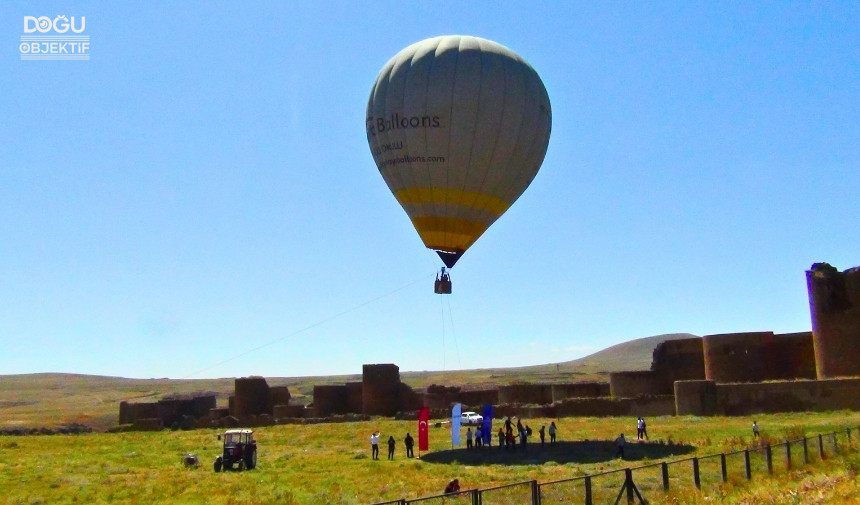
(508, 440)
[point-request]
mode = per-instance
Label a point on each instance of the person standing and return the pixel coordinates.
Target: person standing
(501, 436)
(755, 429)
(552, 430)
(638, 428)
(479, 437)
(542, 433)
(374, 445)
(620, 443)
(391, 444)
(409, 442)
(468, 438)
(644, 429)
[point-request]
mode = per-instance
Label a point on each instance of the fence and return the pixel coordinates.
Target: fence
(635, 485)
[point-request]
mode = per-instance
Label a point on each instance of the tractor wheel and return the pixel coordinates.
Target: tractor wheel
(217, 465)
(251, 460)
(241, 465)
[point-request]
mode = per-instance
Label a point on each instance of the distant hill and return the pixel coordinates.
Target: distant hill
(631, 355)
(52, 399)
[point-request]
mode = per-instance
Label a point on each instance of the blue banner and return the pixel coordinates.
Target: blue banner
(456, 414)
(487, 426)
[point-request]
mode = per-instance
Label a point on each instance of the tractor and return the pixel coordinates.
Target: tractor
(240, 450)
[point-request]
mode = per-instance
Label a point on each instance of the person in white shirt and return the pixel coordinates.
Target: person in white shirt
(374, 445)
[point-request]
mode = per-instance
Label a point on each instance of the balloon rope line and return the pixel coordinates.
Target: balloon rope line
(306, 328)
(454, 334)
(442, 306)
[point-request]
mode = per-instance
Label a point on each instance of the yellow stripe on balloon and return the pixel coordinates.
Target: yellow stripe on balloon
(448, 233)
(452, 196)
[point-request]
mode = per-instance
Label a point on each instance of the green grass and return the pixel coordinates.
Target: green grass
(329, 463)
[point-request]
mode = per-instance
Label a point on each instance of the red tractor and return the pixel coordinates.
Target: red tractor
(240, 449)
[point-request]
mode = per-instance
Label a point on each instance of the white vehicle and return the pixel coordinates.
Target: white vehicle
(471, 418)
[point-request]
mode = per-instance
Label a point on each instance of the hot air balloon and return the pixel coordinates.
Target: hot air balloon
(458, 127)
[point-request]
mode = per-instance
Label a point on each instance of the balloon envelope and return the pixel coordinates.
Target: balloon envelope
(458, 127)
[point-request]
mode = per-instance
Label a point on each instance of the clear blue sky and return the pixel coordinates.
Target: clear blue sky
(198, 199)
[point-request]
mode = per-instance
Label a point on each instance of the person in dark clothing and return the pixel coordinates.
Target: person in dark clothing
(620, 443)
(542, 433)
(409, 442)
(452, 486)
(391, 444)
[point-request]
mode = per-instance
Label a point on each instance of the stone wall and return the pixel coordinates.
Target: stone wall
(792, 356)
(580, 390)
(834, 303)
(477, 398)
(758, 356)
(696, 398)
(539, 394)
(633, 384)
(737, 357)
(381, 391)
(675, 360)
(330, 399)
(278, 395)
(171, 410)
(131, 412)
(252, 397)
(708, 398)
(354, 401)
(650, 406)
(289, 412)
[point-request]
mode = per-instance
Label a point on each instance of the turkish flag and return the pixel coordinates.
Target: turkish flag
(423, 433)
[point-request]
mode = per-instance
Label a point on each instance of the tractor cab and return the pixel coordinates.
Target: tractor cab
(443, 283)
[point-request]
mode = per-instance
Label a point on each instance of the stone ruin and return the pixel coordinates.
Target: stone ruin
(252, 404)
(728, 374)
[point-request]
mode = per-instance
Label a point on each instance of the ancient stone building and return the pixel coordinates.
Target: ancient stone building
(834, 304)
(682, 359)
(381, 389)
(758, 356)
(252, 397)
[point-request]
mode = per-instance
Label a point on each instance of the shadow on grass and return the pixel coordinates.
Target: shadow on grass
(586, 451)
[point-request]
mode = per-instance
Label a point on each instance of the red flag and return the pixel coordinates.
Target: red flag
(423, 433)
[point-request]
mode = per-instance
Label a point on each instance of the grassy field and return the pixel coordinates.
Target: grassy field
(330, 463)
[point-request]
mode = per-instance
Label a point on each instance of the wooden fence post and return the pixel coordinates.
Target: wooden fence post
(723, 468)
(821, 454)
(747, 466)
(768, 454)
(535, 493)
(787, 455)
(588, 490)
(696, 479)
(628, 483)
(664, 467)
(805, 452)
(476, 497)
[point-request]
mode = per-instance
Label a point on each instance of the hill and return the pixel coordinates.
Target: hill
(52, 399)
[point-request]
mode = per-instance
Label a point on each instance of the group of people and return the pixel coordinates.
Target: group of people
(409, 442)
(641, 429)
(510, 435)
